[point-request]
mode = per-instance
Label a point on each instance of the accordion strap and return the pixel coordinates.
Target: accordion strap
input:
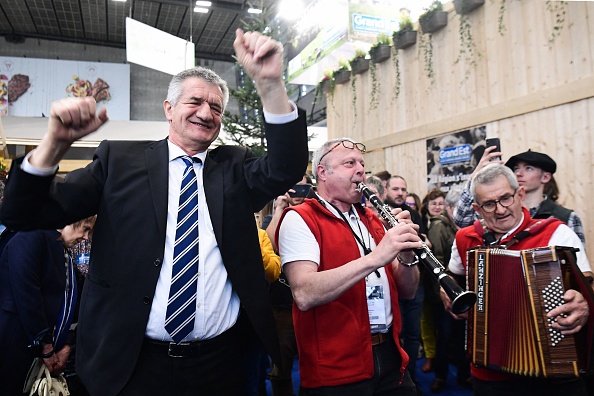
(534, 228)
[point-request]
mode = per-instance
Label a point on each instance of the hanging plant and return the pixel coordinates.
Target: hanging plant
(379, 52)
(405, 36)
(501, 25)
(343, 73)
(468, 51)
(396, 63)
(559, 9)
(358, 64)
(433, 19)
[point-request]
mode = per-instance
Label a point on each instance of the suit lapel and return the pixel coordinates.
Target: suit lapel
(157, 166)
(213, 190)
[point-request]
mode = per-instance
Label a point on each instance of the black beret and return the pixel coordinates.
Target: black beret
(533, 158)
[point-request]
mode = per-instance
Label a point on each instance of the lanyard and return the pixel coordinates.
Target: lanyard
(359, 239)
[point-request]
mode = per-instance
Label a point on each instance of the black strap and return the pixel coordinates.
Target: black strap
(366, 250)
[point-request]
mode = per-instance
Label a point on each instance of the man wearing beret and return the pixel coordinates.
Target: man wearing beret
(534, 172)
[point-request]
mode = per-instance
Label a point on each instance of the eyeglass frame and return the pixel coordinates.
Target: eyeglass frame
(498, 201)
(357, 145)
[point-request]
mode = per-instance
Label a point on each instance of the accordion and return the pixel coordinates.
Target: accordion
(508, 329)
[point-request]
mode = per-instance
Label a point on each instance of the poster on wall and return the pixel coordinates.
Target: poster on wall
(452, 158)
(33, 84)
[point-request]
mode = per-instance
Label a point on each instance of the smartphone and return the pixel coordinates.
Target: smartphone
(494, 142)
(301, 190)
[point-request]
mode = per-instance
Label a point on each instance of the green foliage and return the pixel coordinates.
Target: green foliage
(405, 24)
(426, 47)
(381, 39)
(559, 10)
(501, 25)
(468, 50)
(396, 63)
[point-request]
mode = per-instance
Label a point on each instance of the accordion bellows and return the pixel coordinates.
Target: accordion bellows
(508, 329)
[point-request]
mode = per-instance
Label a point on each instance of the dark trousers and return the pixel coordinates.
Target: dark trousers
(219, 368)
(387, 378)
(526, 386)
(410, 311)
(281, 378)
(449, 332)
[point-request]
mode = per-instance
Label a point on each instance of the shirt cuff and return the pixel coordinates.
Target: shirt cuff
(282, 118)
(27, 167)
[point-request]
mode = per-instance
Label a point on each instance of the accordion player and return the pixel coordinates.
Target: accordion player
(511, 349)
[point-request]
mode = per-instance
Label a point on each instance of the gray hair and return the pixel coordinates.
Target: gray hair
(453, 196)
(377, 183)
(322, 151)
(175, 86)
(489, 173)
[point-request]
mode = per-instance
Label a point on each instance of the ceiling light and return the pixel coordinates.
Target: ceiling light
(201, 10)
(254, 11)
(122, 1)
(203, 3)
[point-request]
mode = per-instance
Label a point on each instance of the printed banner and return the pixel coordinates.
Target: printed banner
(452, 158)
(33, 84)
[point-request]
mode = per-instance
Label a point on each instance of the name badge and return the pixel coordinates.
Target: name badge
(376, 307)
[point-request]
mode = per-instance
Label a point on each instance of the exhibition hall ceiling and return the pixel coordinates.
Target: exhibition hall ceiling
(102, 22)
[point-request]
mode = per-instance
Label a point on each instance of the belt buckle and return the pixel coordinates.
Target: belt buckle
(176, 352)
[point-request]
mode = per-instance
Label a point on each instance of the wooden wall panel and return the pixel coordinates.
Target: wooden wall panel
(527, 90)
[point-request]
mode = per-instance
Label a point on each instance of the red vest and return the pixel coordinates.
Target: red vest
(468, 237)
(333, 339)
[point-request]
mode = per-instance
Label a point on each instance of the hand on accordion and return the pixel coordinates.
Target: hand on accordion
(571, 316)
(447, 303)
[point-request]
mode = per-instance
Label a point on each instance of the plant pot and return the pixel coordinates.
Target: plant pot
(434, 22)
(342, 76)
(464, 7)
(359, 66)
(405, 39)
(380, 53)
(325, 85)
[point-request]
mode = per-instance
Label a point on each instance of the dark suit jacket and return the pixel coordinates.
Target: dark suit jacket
(32, 283)
(126, 185)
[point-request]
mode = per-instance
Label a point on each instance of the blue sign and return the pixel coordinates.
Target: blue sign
(458, 153)
(373, 24)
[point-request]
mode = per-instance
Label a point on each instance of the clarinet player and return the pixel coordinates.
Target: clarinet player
(345, 278)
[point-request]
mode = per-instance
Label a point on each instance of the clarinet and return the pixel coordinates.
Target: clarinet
(462, 300)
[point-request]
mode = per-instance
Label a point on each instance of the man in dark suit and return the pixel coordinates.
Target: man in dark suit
(123, 346)
(33, 277)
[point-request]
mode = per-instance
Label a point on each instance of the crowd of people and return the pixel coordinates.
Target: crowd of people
(184, 295)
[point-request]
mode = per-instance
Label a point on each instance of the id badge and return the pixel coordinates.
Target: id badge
(376, 307)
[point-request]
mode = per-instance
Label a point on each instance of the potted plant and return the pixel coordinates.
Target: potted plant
(434, 18)
(359, 63)
(405, 36)
(343, 73)
(464, 7)
(380, 50)
(327, 82)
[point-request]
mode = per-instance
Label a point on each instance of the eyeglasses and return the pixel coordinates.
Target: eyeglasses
(346, 144)
(505, 201)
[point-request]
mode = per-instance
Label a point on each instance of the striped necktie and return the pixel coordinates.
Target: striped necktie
(181, 306)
